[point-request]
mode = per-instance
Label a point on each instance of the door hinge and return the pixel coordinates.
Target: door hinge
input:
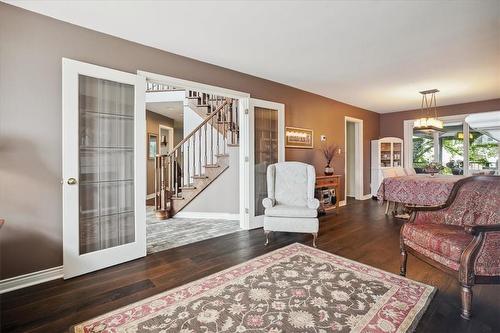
(246, 111)
(246, 159)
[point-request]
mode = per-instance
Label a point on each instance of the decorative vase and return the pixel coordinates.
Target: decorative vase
(328, 170)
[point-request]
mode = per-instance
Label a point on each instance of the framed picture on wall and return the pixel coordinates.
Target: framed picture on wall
(152, 146)
(296, 137)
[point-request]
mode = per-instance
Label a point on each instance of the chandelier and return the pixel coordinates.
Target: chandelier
(429, 122)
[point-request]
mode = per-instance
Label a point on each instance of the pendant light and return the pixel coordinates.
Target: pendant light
(429, 122)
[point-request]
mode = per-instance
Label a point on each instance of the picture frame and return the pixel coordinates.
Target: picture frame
(296, 137)
(152, 146)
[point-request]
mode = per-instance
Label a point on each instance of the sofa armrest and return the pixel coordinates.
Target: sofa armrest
(268, 202)
(477, 229)
(313, 203)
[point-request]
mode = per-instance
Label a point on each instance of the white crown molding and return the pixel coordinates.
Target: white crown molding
(202, 215)
(30, 279)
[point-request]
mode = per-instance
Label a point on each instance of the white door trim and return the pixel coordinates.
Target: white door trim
(243, 99)
(192, 85)
(73, 263)
(358, 158)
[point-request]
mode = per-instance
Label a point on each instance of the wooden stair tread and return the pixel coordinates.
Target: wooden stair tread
(200, 177)
(211, 165)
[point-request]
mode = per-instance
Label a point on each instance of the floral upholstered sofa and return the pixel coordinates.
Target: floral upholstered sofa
(461, 237)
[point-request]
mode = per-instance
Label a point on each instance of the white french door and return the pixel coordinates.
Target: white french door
(266, 145)
(104, 167)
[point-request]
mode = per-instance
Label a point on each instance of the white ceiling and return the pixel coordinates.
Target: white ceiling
(372, 54)
(173, 110)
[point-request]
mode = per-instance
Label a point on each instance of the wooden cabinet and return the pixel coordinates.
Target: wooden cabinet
(386, 153)
(326, 189)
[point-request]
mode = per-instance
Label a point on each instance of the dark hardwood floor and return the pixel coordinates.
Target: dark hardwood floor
(360, 232)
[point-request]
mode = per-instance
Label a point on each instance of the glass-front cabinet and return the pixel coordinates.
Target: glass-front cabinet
(386, 153)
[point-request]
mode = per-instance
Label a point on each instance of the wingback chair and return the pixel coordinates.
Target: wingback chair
(290, 205)
(461, 237)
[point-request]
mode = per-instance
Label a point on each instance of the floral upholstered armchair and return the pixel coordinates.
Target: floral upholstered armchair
(461, 237)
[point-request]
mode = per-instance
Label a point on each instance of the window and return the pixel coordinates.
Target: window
(483, 154)
(477, 155)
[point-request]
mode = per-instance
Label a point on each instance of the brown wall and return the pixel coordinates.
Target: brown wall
(391, 124)
(153, 122)
(31, 48)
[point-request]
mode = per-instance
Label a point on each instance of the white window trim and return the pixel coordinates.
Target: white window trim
(408, 141)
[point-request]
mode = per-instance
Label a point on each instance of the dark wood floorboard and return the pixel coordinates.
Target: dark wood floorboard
(360, 232)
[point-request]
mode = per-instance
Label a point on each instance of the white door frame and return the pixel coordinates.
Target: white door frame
(170, 136)
(358, 157)
(247, 153)
(243, 99)
(73, 263)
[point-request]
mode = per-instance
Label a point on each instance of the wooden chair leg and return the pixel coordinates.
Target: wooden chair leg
(315, 236)
(466, 296)
(267, 233)
(404, 258)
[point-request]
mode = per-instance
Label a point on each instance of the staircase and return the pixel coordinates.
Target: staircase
(200, 157)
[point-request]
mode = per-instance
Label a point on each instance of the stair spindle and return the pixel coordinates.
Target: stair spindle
(212, 142)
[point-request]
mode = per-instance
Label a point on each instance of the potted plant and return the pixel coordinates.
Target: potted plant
(457, 167)
(329, 152)
(433, 168)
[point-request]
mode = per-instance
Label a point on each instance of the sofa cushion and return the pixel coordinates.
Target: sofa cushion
(290, 211)
(439, 240)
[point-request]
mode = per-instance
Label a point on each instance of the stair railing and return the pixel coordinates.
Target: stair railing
(199, 150)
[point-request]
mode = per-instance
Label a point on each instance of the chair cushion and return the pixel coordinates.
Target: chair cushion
(440, 242)
(291, 211)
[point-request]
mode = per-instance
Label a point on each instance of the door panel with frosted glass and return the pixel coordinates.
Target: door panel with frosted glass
(106, 164)
(265, 151)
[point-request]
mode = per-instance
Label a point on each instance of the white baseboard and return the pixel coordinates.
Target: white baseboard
(366, 197)
(208, 215)
(30, 279)
(150, 196)
(342, 203)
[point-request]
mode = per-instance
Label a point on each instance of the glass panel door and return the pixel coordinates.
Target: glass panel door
(103, 167)
(106, 191)
(266, 146)
(266, 151)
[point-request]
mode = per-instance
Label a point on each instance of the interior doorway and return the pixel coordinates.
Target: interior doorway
(353, 144)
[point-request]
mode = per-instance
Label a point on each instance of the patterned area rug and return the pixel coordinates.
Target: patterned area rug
(294, 289)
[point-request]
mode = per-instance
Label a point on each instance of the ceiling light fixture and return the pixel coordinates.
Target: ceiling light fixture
(429, 122)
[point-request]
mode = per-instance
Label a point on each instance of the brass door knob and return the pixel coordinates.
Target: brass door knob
(72, 181)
